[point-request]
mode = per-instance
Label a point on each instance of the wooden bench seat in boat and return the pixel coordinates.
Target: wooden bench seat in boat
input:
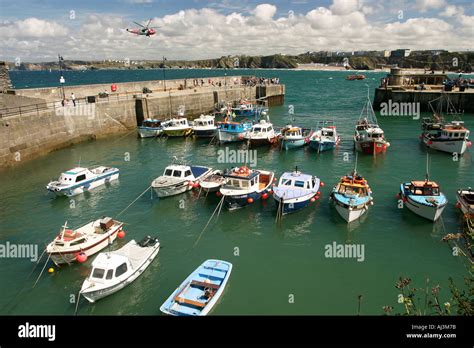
(191, 302)
(205, 285)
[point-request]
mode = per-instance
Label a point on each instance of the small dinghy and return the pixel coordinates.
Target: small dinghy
(212, 182)
(204, 127)
(244, 186)
(150, 128)
(352, 197)
(77, 245)
(78, 180)
(325, 138)
(293, 137)
(112, 271)
(424, 198)
(295, 190)
(465, 200)
(199, 293)
(179, 178)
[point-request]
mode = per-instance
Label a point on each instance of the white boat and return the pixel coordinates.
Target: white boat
(179, 178)
(204, 126)
(78, 180)
(88, 239)
(112, 271)
(177, 127)
(199, 292)
(150, 128)
(262, 133)
(424, 198)
(212, 182)
(325, 138)
(446, 137)
(465, 200)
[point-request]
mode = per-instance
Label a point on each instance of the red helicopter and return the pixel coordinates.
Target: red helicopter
(144, 30)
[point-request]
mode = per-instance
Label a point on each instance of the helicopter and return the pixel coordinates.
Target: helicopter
(144, 30)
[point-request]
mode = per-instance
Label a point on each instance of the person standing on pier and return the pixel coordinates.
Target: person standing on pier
(73, 97)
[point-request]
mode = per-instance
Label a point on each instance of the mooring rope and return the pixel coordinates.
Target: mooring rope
(136, 199)
(218, 207)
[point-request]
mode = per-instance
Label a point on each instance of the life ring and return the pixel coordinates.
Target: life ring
(243, 170)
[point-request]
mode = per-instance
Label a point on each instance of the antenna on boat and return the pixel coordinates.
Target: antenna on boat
(355, 166)
(427, 178)
(64, 230)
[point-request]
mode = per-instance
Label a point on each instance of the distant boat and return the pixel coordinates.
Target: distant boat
(150, 128)
(465, 200)
(355, 77)
(177, 127)
(199, 293)
(79, 180)
(325, 138)
(113, 270)
(178, 178)
(294, 137)
(204, 126)
(261, 134)
(424, 198)
(244, 186)
(369, 138)
(232, 131)
(246, 109)
(88, 239)
(295, 191)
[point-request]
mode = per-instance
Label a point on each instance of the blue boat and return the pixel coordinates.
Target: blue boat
(325, 138)
(295, 191)
(243, 186)
(228, 132)
(199, 292)
(294, 137)
(247, 109)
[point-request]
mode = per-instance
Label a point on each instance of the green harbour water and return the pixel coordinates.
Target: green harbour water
(275, 263)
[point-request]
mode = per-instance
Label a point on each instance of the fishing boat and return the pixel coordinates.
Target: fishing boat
(84, 241)
(325, 138)
(228, 132)
(113, 270)
(352, 196)
(199, 292)
(465, 200)
(150, 128)
(244, 186)
(451, 137)
(212, 182)
(355, 77)
(246, 109)
(177, 127)
(293, 137)
(295, 191)
(79, 180)
(204, 127)
(262, 133)
(423, 197)
(178, 178)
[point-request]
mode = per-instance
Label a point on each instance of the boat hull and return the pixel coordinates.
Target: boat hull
(292, 143)
(254, 142)
(292, 206)
(86, 186)
(322, 146)
(465, 207)
(431, 213)
(371, 147)
(174, 133)
(172, 190)
(452, 146)
(204, 133)
(145, 132)
(350, 213)
(230, 137)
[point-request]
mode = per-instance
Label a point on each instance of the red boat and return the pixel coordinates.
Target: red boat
(369, 138)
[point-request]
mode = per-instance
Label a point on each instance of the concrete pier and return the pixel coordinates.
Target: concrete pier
(34, 121)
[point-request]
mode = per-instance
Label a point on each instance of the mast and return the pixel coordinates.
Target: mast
(427, 177)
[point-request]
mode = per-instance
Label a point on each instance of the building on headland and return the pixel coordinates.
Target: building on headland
(400, 53)
(401, 86)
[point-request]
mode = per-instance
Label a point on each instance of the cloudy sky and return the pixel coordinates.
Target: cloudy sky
(33, 30)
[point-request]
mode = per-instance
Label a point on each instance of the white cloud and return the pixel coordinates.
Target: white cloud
(425, 5)
(265, 12)
(452, 10)
(32, 27)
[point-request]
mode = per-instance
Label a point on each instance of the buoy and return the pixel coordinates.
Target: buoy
(469, 144)
(50, 270)
(458, 205)
(81, 257)
(270, 191)
(274, 179)
(404, 199)
(196, 184)
(316, 197)
(250, 200)
(397, 195)
(218, 193)
(265, 196)
(121, 234)
(430, 142)
(318, 193)
(312, 199)
(322, 184)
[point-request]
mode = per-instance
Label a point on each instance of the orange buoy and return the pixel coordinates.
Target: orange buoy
(121, 234)
(81, 257)
(218, 193)
(265, 196)
(318, 193)
(321, 184)
(250, 200)
(458, 205)
(312, 199)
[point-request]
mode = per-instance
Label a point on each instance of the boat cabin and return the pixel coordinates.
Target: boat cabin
(179, 122)
(262, 127)
(108, 266)
(151, 123)
(204, 121)
(297, 180)
(353, 185)
(292, 132)
(423, 188)
(327, 132)
(242, 179)
(177, 171)
(75, 175)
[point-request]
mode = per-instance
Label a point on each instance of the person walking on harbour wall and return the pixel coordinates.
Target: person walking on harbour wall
(73, 97)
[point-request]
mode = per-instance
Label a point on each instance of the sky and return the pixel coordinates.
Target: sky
(37, 30)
